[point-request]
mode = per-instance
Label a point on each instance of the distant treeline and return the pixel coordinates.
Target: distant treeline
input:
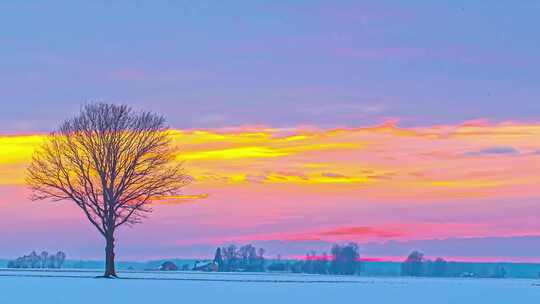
(417, 266)
(245, 258)
(342, 260)
(43, 260)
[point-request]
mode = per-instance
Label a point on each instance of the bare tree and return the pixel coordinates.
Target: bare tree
(112, 162)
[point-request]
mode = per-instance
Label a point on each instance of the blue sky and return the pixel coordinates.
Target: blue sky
(278, 63)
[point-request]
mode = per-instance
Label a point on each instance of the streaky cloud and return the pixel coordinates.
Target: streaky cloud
(497, 150)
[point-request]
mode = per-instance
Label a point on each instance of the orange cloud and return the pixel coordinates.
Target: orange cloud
(181, 199)
(359, 231)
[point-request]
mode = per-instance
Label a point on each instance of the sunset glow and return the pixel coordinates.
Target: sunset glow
(273, 180)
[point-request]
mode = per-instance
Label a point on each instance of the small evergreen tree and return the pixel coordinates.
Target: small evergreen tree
(218, 259)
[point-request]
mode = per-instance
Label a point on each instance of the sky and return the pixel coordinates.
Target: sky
(401, 126)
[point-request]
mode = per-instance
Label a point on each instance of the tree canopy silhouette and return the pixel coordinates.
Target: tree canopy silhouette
(112, 162)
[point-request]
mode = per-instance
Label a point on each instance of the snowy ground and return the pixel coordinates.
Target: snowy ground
(80, 286)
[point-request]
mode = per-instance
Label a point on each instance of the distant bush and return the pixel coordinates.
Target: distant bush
(413, 265)
(278, 266)
(168, 266)
(345, 259)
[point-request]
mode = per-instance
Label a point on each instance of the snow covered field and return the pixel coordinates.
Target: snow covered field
(79, 286)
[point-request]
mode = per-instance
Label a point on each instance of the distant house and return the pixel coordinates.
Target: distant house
(168, 266)
(205, 266)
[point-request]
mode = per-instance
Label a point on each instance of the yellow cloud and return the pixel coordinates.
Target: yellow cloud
(233, 153)
(18, 149)
(386, 160)
(463, 184)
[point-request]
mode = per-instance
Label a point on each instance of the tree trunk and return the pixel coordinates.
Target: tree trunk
(110, 271)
